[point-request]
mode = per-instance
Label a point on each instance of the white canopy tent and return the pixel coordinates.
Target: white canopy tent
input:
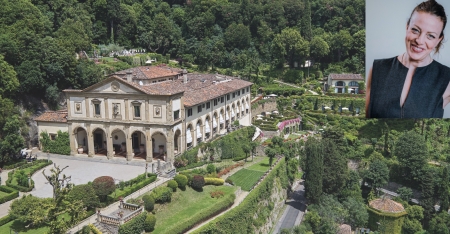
(232, 113)
(221, 121)
(246, 106)
(188, 136)
(199, 133)
(226, 116)
(214, 123)
(207, 129)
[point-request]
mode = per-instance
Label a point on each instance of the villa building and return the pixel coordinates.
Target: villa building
(149, 113)
(343, 83)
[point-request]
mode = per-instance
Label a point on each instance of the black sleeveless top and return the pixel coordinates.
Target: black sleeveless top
(424, 99)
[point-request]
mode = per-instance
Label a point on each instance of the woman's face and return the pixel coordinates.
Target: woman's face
(422, 35)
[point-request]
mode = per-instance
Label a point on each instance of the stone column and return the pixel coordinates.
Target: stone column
(147, 112)
(86, 103)
(194, 136)
(202, 131)
(126, 109)
(148, 145)
(109, 143)
(129, 146)
(68, 107)
(106, 108)
(73, 148)
(169, 145)
(90, 136)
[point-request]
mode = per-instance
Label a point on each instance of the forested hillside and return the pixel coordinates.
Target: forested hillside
(39, 38)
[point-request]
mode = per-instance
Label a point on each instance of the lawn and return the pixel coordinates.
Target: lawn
(263, 165)
(20, 228)
(246, 178)
(185, 204)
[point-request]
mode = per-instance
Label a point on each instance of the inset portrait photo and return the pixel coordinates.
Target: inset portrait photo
(407, 59)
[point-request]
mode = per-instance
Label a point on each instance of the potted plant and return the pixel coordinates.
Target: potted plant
(80, 149)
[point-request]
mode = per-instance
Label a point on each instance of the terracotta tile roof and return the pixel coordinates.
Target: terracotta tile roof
(386, 205)
(53, 116)
(345, 229)
(149, 72)
(346, 76)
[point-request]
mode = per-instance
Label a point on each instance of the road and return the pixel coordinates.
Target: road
(295, 209)
(295, 86)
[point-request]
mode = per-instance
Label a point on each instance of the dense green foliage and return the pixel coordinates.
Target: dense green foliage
(389, 222)
(173, 185)
(60, 145)
(162, 194)
(313, 170)
(136, 225)
(26, 169)
(181, 180)
(150, 222)
(149, 202)
(86, 194)
(132, 186)
(30, 209)
(103, 186)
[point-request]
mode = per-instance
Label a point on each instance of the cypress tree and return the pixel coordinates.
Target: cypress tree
(313, 170)
(335, 170)
(306, 21)
(427, 200)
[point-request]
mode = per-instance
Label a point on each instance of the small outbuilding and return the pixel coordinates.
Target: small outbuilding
(387, 213)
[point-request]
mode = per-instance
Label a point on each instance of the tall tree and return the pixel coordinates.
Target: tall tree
(12, 140)
(335, 170)
(113, 10)
(289, 46)
(306, 21)
(8, 79)
(444, 190)
(313, 170)
(427, 198)
(378, 174)
(412, 153)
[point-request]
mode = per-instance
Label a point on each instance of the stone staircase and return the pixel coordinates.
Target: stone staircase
(107, 228)
(171, 173)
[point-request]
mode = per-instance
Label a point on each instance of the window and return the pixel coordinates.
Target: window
(247, 89)
(215, 102)
(137, 111)
(221, 99)
(234, 94)
(97, 108)
(176, 115)
(239, 92)
(208, 105)
(243, 91)
(189, 112)
(228, 97)
(199, 108)
(52, 136)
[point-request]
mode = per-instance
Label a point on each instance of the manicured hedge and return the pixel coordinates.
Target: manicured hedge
(222, 205)
(17, 164)
(241, 218)
(129, 190)
(5, 220)
(136, 225)
(214, 181)
(41, 164)
(94, 229)
(12, 193)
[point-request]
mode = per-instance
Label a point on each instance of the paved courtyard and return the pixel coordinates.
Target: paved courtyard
(84, 169)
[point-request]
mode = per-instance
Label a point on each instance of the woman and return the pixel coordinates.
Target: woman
(412, 84)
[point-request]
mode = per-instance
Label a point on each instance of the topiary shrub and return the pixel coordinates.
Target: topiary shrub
(214, 181)
(173, 185)
(150, 221)
(211, 168)
(149, 202)
(198, 182)
(162, 194)
(84, 193)
(103, 186)
(181, 180)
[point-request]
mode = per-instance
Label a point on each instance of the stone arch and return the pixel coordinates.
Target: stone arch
(238, 109)
(100, 141)
(139, 144)
(189, 135)
(207, 127)
(221, 118)
(199, 130)
(227, 116)
(81, 139)
(177, 141)
(215, 122)
(159, 145)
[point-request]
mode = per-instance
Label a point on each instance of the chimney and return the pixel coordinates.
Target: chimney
(184, 76)
(129, 76)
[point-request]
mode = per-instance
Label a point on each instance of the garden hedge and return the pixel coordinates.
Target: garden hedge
(12, 193)
(214, 181)
(94, 229)
(173, 185)
(135, 187)
(181, 180)
(136, 225)
(41, 164)
(5, 220)
(241, 218)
